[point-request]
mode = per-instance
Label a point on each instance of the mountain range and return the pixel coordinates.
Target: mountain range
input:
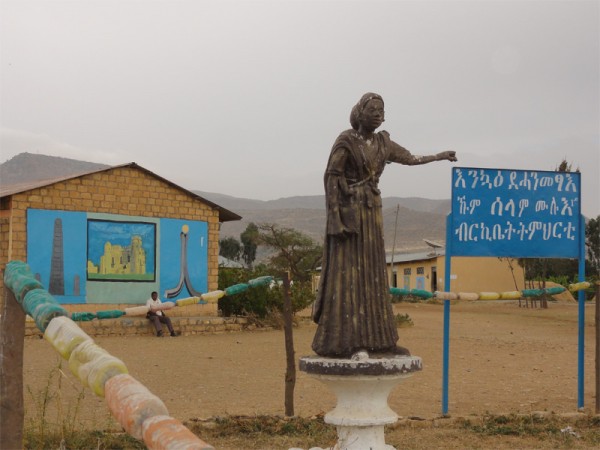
(406, 221)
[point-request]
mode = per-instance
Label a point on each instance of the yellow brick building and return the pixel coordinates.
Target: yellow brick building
(126, 191)
(426, 271)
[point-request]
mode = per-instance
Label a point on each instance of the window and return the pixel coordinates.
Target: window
(407, 271)
(420, 270)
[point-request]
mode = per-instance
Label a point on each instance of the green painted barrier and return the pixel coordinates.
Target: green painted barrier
(19, 279)
(40, 305)
(45, 312)
(82, 316)
(421, 293)
(532, 292)
(33, 299)
(260, 281)
(555, 290)
(110, 314)
(236, 289)
(399, 291)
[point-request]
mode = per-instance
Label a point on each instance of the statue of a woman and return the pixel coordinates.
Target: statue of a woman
(353, 309)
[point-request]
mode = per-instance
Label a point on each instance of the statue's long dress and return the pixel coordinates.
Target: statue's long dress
(353, 309)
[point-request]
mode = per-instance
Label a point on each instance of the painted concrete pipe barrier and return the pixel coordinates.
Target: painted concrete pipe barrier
(187, 301)
(579, 286)
(511, 295)
(65, 335)
(131, 403)
(169, 434)
(208, 297)
(445, 295)
(142, 414)
(508, 295)
(420, 293)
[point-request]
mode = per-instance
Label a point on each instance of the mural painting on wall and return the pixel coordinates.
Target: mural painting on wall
(121, 251)
(187, 252)
(104, 258)
(56, 252)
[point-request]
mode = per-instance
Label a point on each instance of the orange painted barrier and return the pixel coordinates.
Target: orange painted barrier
(131, 403)
(167, 433)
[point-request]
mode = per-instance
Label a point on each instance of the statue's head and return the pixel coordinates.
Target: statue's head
(368, 111)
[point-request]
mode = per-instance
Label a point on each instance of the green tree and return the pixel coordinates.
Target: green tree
(249, 240)
(565, 166)
(297, 256)
(230, 248)
(592, 243)
(542, 269)
(294, 252)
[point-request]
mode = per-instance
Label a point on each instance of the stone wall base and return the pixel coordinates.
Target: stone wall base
(140, 326)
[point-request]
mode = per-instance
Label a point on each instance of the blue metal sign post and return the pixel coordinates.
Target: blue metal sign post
(515, 214)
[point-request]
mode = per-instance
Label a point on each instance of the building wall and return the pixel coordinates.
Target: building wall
(4, 240)
(485, 274)
(469, 274)
(414, 275)
(122, 191)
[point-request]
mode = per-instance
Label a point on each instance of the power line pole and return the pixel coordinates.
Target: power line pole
(394, 246)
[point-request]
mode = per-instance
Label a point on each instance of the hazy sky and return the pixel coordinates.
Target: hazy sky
(245, 98)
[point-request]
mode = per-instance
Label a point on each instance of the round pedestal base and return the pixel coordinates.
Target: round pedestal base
(362, 386)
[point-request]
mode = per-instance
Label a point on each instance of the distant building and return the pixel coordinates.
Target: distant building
(426, 270)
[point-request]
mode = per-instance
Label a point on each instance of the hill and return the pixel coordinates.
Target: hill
(418, 218)
(26, 167)
(318, 202)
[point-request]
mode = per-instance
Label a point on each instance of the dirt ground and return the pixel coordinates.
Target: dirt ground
(503, 359)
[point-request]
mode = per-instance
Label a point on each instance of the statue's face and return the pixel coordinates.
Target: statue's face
(373, 114)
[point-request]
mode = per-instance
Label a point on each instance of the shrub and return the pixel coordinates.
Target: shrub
(261, 300)
(403, 320)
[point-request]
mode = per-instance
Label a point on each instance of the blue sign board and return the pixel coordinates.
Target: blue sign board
(515, 213)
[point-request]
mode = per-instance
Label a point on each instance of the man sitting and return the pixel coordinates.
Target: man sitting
(158, 317)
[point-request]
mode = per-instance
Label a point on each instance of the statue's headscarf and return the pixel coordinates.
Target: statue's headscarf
(357, 109)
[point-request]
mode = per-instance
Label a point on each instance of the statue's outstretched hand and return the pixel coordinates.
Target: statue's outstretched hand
(450, 155)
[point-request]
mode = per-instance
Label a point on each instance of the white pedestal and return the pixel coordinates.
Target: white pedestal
(362, 388)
